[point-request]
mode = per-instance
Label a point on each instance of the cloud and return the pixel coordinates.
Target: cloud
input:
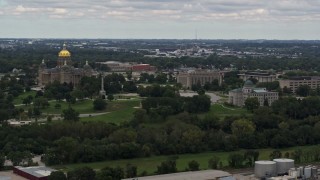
(167, 10)
(21, 9)
(59, 11)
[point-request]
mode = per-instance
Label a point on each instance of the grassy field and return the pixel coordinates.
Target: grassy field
(221, 111)
(19, 99)
(118, 111)
(84, 106)
(150, 164)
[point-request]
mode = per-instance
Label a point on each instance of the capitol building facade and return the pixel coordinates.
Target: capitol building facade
(64, 72)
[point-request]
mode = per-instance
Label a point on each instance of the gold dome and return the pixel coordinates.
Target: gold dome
(64, 52)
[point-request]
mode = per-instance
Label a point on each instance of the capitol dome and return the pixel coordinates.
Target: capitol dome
(64, 52)
(248, 83)
(87, 66)
(42, 65)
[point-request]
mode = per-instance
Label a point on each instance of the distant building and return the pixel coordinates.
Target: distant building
(260, 76)
(191, 175)
(187, 79)
(116, 66)
(237, 97)
(14, 122)
(14, 73)
(293, 83)
(64, 72)
(142, 68)
(33, 173)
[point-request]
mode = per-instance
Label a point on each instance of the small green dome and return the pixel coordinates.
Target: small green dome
(87, 66)
(248, 83)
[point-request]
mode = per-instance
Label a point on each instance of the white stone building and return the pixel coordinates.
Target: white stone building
(238, 96)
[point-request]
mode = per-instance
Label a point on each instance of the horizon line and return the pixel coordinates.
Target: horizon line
(198, 39)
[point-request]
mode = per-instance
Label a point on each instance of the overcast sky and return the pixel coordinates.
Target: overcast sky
(177, 19)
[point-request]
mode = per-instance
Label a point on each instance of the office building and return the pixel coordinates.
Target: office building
(260, 76)
(293, 83)
(193, 77)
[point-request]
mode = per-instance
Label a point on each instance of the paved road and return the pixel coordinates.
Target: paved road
(84, 115)
(92, 114)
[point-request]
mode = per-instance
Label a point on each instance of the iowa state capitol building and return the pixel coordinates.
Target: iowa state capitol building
(64, 72)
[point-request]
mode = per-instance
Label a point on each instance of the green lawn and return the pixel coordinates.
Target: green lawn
(150, 164)
(84, 106)
(19, 99)
(222, 111)
(118, 111)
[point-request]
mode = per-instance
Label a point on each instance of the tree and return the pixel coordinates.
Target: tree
(83, 173)
(130, 87)
(161, 78)
(36, 113)
(4, 115)
(192, 139)
(271, 86)
(235, 160)
(286, 90)
(65, 149)
(10, 98)
(109, 173)
(131, 171)
(129, 74)
(303, 90)
(123, 135)
(20, 158)
(139, 116)
(252, 103)
(198, 104)
(26, 101)
(264, 118)
(164, 111)
(193, 165)
(110, 97)
(201, 91)
(41, 102)
(57, 106)
(72, 100)
(78, 94)
(209, 122)
(166, 167)
(196, 87)
(57, 175)
(251, 156)
(99, 104)
(265, 102)
(275, 154)
(214, 162)
(2, 160)
(242, 127)
(70, 114)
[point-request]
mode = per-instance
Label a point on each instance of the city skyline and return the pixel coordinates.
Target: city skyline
(161, 19)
